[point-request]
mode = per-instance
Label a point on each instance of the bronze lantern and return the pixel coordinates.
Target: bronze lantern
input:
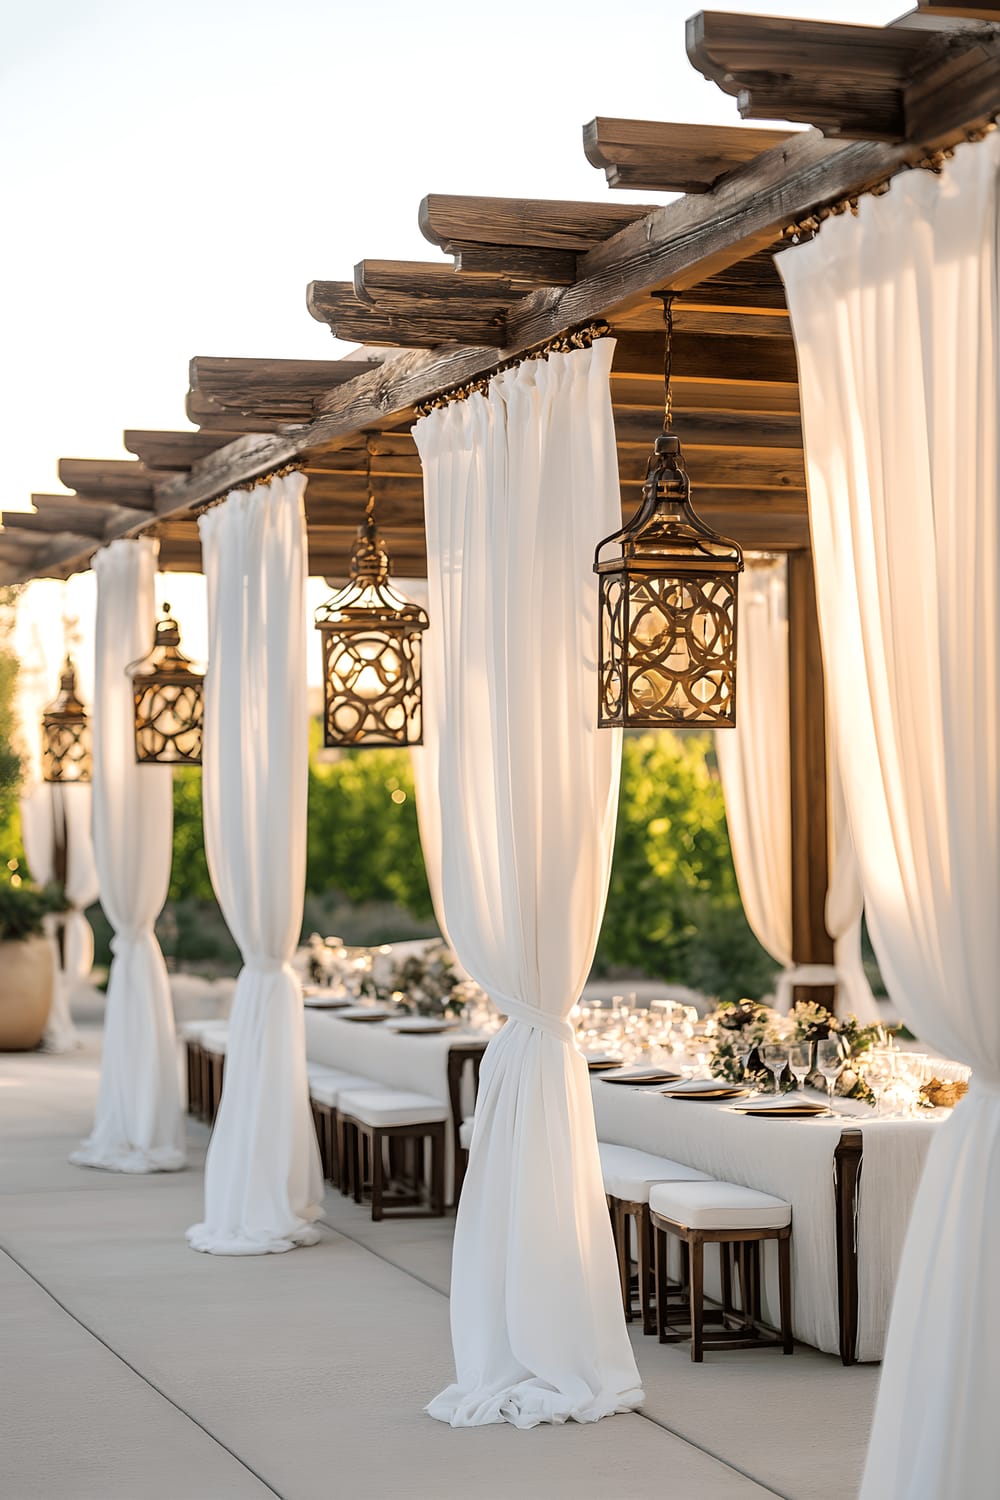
(667, 650)
(371, 654)
(66, 741)
(169, 701)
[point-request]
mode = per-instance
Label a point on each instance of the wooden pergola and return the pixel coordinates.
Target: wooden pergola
(518, 274)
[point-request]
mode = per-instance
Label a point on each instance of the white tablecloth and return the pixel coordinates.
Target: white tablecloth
(794, 1160)
(413, 1061)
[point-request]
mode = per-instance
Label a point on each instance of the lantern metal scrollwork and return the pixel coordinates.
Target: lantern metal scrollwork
(667, 652)
(371, 651)
(169, 701)
(66, 739)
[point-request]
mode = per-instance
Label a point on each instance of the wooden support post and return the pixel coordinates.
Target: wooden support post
(811, 943)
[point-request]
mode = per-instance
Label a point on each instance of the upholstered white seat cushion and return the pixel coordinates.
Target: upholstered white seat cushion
(465, 1132)
(329, 1089)
(718, 1205)
(192, 1031)
(628, 1173)
(381, 1106)
(215, 1038)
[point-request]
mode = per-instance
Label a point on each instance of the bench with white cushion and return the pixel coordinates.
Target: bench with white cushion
(628, 1176)
(739, 1220)
(325, 1088)
(381, 1126)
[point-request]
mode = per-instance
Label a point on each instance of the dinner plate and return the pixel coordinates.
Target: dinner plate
(598, 1064)
(639, 1077)
(696, 1088)
(322, 1002)
(364, 1013)
(776, 1111)
(421, 1026)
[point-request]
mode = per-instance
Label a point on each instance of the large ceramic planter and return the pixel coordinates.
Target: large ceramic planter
(27, 984)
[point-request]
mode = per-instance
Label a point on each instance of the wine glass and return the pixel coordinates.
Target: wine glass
(748, 1079)
(829, 1062)
(800, 1062)
(775, 1056)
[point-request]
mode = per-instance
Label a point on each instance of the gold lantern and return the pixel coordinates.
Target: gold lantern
(169, 701)
(371, 652)
(667, 651)
(66, 745)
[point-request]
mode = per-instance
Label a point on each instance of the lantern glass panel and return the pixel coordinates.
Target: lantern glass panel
(169, 701)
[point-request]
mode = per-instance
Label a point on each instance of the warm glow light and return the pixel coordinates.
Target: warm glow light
(169, 701)
(66, 752)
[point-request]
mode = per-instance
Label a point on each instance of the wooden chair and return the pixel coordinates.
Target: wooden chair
(325, 1087)
(381, 1122)
(464, 1062)
(628, 1175)
(738, 1220)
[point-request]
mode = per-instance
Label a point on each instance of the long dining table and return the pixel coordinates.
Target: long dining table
(850, 1177)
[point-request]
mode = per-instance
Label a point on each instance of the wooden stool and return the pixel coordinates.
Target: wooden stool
(738, 1220)
(194, 1067)
(628, 1175)
(214, 1040)
(325, 1087)
(377, 1118)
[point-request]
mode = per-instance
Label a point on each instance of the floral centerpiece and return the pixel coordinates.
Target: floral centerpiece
(742, 1028)
(425, 984)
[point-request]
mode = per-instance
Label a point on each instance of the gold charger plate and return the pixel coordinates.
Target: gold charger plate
(721, 1093)
(795, 1112)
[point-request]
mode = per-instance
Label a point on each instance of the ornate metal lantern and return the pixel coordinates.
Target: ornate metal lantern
(667, 654)
(66, 746)
(371, 654)
(169, 701)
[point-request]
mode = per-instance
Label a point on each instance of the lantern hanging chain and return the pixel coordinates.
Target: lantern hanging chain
(370, 503)
(668, 333)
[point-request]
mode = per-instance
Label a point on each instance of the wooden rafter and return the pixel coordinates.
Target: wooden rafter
(118, 480)
(174, 451)
(270, 390)
(850, 81)
(524, 266)
(656, 157)
(337, 304)
(542, 224)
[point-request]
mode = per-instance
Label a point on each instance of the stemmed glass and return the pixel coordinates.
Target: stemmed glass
(775, 1057)
(829, 1062)
(748, 1079)
(800, 1062)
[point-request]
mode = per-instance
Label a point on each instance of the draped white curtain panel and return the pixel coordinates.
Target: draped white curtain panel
(52, 815)
(263, 1181)
(139, 1125)
(895, 316)
(755, 769)
(424, 759)
(519, 487)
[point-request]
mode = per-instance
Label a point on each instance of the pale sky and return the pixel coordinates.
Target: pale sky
(177, 171)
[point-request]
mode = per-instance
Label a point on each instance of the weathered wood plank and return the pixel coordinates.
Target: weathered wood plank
(705, 357)
(47, 523)
(525, 266)
(713, 429)
(283, 390)
(174, 451)
(120, 480)
(656, 157)
(542, 223)
(335, 303)
(393, 286)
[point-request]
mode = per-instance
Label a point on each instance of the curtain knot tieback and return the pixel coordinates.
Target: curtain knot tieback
(540, 1020)
(267, 965)
(126, 937)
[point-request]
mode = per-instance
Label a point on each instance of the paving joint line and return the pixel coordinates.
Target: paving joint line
(638, 1411)
(138, 1373)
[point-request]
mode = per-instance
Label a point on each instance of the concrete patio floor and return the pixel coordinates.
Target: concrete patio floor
(135, 1369)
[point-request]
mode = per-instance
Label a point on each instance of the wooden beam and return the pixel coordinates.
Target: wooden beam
(280, 390)
(656, 157)
(174, 452)
(959, 8)
(847, 80)
(704, 357)
(119, 480)
(393, 286)
(525, 266)
(336, 303)
(80, 521)
(540, 223)
(714, 429)
(811, 943)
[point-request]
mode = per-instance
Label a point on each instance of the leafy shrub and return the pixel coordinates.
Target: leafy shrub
(23, 907)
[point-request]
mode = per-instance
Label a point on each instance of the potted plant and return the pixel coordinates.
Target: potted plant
(27, 964)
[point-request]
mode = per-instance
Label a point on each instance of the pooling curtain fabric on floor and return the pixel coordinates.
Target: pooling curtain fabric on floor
(755, 769)
(138, 1126)
(895, 316)
(263, 1181)
(519, 487)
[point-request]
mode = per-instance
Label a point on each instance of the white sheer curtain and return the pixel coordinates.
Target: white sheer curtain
(519, 487)
(755, 769)
(424, 760)
(139, 1126)
(754, 760)
(263, 1181)
(895, 316)
(54, 817)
